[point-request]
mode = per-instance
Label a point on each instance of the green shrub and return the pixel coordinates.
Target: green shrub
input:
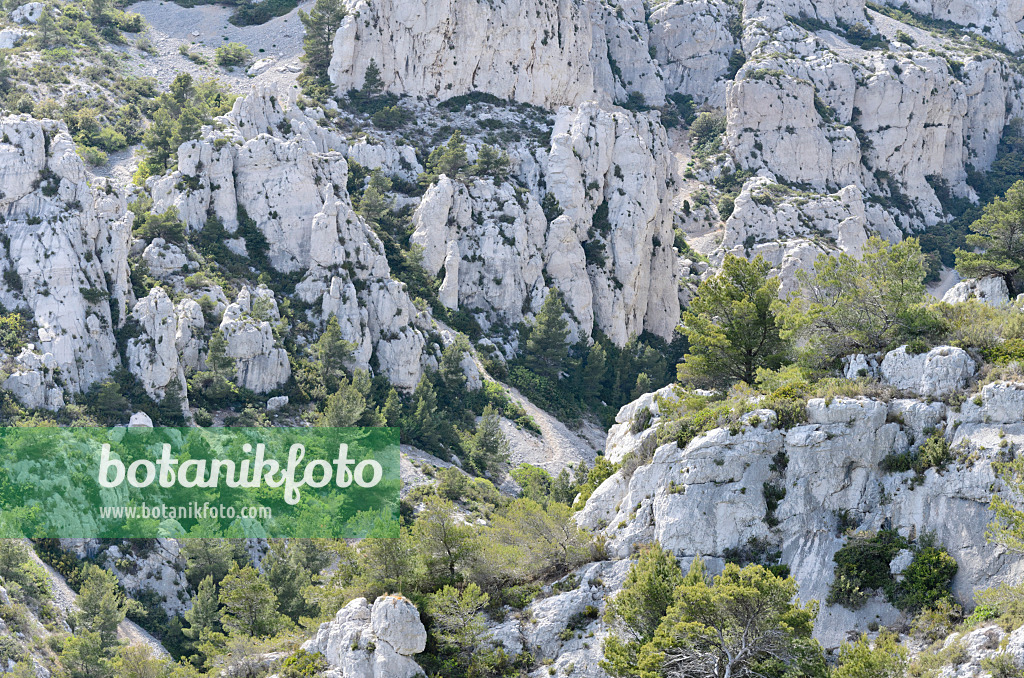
(303, 664)
(233, 54)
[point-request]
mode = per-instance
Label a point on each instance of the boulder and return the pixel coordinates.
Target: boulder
(991, 290)
(164, 259)
(396, 620)
(359, 640)
(938, 373)
(9, 37)
(28, 13)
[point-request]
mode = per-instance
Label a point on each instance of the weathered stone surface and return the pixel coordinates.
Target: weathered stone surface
(371, 641)
(939, 372)
(991, 290)
(53, 256)
(573, 52)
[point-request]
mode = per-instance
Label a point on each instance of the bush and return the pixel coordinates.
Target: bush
(92, 155)
(303, 664)
(233, 54)
(862, 565)
(706, 132)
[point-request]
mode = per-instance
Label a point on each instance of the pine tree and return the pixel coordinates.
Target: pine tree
(321, 25)
(546, 350)
(643, 385)
(592, 379)
(101, 605)
(376, 201)
(489, 445)
(169, 409)
(206, 557)
(249, 604)
(204, 615)
(392, 409)
(421, 425)
(332, 353)
(449, 159)
(46, 27)
(217, 360)
(372, 82)
(731, 325)
(997, 241)
(491, 163)
(344, 407)
(450, 369)
(287, 577)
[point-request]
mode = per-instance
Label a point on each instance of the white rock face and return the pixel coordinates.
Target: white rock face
(141, 419)
(67, 240)
(9, 37)
(288, 175)
(709, 497)
(693, 44)
(837, 115)
(28, 13)
(996, 21)
(991, 290)
(164, 259)
(153, 356)
(276, 403)
(939, 372)
(790, 230)
(261, 365)
(32, 381)
(391, 626)
(396, 621)
(496, 265)
(160, 568)
(574, 51)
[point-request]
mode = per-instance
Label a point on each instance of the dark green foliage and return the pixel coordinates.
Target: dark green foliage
(177, 117)
(546, 350)
(304, 664)
(862, 566)
(995, 245)
(933, 453)
(731, 325)
(940, 242)
(166, 225)
(706, 133)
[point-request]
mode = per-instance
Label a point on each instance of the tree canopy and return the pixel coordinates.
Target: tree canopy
(731, 325)
(997, 241)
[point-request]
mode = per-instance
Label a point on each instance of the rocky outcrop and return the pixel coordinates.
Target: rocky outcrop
(273, 166)
(164, 259)
(158, 567)
(991, 290)
(892, 123)
(996, 21)
(575, 51)
(711, 495)
(937, 373)
(33, 381)
(790, 228)
(489, 244)
(63, 249)
(260, 364)
(693, 42)
(9, 37)
(153, 356)
(375, 641)
(28, 13)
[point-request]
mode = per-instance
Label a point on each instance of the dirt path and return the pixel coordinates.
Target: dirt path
(64, 598)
